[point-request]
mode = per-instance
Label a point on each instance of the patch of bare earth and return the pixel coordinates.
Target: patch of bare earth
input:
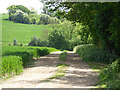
(78, 74)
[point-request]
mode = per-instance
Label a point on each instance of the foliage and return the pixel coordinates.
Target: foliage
(21, 14)
(110, 76)
(35, 41)
(57, 40)
(42, 52)
(67, 36)
(14, 58)
(102, 19)
(14, 8)
(22, 32)
(93, 54)
(11, 65)
(63, 56)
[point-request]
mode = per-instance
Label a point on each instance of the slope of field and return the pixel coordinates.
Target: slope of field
(22, 32)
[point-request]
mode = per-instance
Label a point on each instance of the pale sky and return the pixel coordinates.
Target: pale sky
(36, 4)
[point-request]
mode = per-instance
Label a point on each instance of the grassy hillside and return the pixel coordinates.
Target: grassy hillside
(22, 32)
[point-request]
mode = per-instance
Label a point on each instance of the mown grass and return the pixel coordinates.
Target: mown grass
(22, 32)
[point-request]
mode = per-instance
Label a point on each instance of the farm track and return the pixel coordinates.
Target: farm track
(78, 74)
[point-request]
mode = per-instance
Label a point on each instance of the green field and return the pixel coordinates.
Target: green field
(15, 58)
(22, 32)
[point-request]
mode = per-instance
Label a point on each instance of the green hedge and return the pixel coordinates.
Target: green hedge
(11, 65)
(63, 56)
(91, 54)
(14, 58)
(110, 76)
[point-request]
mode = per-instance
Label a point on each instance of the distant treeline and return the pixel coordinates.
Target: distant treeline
(21, 14)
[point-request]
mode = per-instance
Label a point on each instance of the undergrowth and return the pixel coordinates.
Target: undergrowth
(110, 76)
(63, 56)
(15, 58)
(90, 53)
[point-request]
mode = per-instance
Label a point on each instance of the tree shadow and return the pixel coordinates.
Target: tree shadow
(79, 75)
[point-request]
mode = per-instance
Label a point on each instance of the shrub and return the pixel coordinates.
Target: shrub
(19, 16)
(38, 22)
(33, 41)
(42, 43)
(110, 76)
(26, 58)
(58, 40)
(63, 56)
(11, 65)
(92, 54)
(43, 52)
(26, 18)
(33, 20)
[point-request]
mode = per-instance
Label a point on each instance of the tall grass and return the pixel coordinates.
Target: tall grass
(92, 54)
(11, 65)
(17, 57)
(63, 56)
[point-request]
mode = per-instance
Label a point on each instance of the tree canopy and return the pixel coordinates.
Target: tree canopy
(101, 18)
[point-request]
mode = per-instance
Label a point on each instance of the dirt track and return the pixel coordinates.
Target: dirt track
(78, 74)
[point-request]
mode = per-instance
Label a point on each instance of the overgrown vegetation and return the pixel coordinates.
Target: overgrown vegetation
(15, 58)
(11, 65)
(110, 76)
(90, 53)
(63, 56)
(66, 36)
(102, 20)
(35, 41)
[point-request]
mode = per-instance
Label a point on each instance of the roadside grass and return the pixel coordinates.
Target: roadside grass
(63, 56)
(22, 32)
(15, 58)
(61, 68)
(96, 66)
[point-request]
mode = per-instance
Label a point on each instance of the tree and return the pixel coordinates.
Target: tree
(13, 8)
(101, 18)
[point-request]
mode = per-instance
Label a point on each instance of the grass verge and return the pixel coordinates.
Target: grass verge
(63, 56)
(15, 58)
(61, 69)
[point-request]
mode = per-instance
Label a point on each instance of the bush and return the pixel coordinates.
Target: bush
(58, 40)
(33, 41)
(26, 57)
(92, 54)
(110, 76)
(26, 18)
(38, 22)
(19, 16)
(63, 56)
(11, 65)
(33, 20)
(42, 43)
(43, 52)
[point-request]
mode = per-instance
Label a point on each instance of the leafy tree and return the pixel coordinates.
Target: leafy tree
(101, 19)
(13, 8)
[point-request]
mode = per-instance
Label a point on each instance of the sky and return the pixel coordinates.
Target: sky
(36, 4)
